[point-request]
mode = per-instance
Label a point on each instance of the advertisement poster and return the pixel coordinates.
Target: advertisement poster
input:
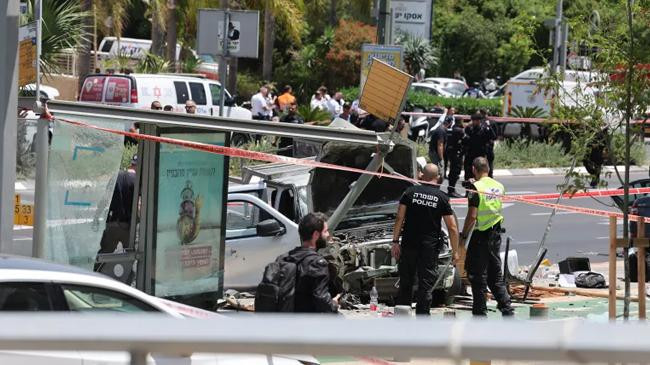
(411, 17)
(391, 55)
(189, 223)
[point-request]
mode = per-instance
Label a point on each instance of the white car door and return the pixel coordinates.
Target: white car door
(236, 112)
(248, 249)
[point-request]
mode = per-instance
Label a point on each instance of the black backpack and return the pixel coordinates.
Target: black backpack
(591, 280)
(276, 292)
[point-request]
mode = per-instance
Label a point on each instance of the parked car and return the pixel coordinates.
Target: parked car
(432, 89)
(28, 285)
(47, 92)
(140, 90)
(454, 86)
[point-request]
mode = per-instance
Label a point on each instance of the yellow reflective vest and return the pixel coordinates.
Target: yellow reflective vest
(489, 208)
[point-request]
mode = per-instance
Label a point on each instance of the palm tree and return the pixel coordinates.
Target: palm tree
(64, 27)
(111, 16)
(172, 24)
(418, 53)
(86, 44)
(289, 14)
(157, 14)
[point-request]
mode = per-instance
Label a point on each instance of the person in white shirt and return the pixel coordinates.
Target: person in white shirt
(260, 105)
(335, 104)
(318, 102)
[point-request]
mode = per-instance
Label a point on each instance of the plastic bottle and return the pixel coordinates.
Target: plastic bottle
(374, 299)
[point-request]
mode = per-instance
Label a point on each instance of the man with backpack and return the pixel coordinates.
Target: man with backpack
(298, 281)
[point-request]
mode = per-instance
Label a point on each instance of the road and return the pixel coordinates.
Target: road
(571, 234)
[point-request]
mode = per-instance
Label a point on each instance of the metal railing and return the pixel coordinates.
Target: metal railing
(571, 340)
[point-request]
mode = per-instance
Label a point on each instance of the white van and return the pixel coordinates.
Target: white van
(140, 90)
(130, 47)
(135, 49)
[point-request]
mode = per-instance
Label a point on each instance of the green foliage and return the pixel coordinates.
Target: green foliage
(528, 112)
(489, 37)
(120, 62)
(343, 61)
(424, 100)
(462, 105)
(418, 54)
(152, 64)
(318, 116)
(521, 153)
(236, 163)
(247, 86)
(190, 64)
(63, 27)
(130, 150)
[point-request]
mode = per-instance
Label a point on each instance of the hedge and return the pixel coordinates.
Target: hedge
(426, 101)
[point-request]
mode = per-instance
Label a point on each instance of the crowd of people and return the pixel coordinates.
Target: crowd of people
(453, 146)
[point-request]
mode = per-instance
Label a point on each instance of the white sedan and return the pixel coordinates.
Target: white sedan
(28, 284)
(432, 89)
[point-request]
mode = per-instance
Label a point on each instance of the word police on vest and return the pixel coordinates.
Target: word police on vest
(425, 200)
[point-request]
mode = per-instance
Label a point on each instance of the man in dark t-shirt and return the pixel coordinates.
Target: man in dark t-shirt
(438, 143)
(418, 221)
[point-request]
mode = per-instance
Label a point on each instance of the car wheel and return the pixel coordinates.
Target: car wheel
(445, 297)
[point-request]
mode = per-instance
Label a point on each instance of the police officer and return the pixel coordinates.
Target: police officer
(482, 263)
(438, 143)
(489, 151)
(477, 139)
(421, 209)
(454, 154)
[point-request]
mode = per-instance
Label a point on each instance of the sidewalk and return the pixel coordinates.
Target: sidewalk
(536, 171)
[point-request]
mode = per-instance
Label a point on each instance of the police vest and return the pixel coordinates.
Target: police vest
(489, 208)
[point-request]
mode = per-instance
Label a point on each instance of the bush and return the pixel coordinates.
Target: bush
(462, 105)
(521, 153)
(247, 86)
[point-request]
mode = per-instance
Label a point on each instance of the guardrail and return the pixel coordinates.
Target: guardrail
(571, 340)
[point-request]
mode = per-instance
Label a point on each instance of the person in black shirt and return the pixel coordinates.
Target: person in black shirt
(418, 221)
(118, 222)
(489, 150)
(438, 144)
(313, 281)
(286, 143)
(477, 138)
(454, 153)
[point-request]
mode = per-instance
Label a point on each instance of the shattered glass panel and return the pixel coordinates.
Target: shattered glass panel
(82, 167)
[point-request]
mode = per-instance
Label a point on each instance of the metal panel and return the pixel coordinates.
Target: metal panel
(218, 124)
(570, 340)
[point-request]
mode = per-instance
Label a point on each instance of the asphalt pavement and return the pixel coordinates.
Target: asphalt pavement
(571, 234)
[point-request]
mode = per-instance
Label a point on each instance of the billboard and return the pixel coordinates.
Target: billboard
(243, 33)
(27, 54)
(411, 17)
(189, 231)
(392, 55)
(385, 91)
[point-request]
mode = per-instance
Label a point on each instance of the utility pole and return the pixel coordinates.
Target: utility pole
(42, 152)
(384, 25)
(9, 11)
(559, 35)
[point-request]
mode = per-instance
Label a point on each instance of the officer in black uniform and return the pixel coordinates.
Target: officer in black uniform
(477, 139)
(490, 146)
(454, 154)
(438, 144)
(418, 219)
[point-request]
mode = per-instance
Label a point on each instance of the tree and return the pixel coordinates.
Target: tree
(86, 44)
(157, 14)
(344, 57)
(623, 81)
(287, 13)
(418, 53)
(64, 27)
(172, 24)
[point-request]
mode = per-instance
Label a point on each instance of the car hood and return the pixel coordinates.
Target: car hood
(329, 187)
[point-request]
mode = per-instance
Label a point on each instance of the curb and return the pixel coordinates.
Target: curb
(541, 171)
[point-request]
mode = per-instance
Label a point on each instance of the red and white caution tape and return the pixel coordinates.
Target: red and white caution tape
(261, 156)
